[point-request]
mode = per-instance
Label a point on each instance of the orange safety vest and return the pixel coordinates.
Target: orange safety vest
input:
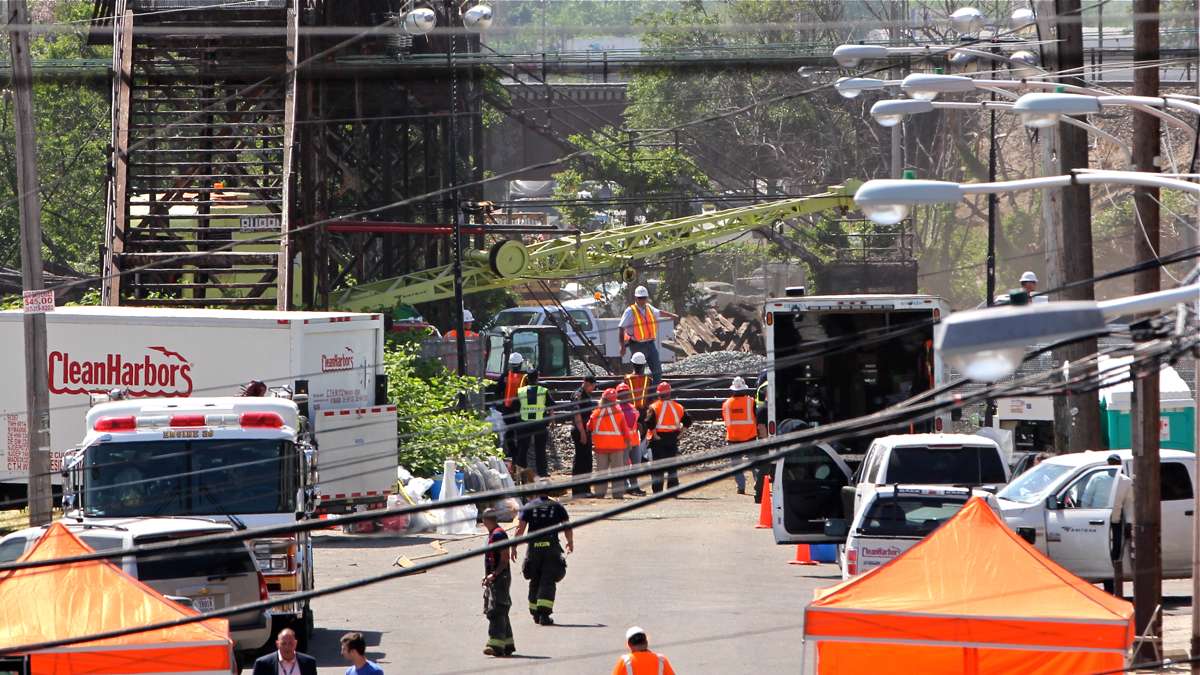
(668, 416)
(511, 386)
(645, 326)
(639, 389)
(738, 413)
(606, 430)
(452, 334)
(643, 663)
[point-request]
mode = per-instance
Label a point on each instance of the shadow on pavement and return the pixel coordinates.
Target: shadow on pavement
(578, 625)
(326, 647)
(375, 541)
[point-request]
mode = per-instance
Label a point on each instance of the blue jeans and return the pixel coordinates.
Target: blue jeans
(650, 349)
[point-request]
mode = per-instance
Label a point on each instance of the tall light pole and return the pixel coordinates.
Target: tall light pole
(37, 395)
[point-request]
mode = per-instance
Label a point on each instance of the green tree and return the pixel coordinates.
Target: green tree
(432, 428)
(73, 129)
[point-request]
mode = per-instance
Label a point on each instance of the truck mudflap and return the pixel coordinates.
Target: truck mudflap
(355, 458)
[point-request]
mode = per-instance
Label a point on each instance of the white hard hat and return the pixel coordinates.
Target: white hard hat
(634, 630)
(638, 359)
(1028, 276)
(468, 317)
(641, 292)
(515, 359)
(738, 385)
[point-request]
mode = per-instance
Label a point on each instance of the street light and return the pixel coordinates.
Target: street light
(887, 201)
(478, 18)
(927, 86)
(850, 87)
(849, 56)
(420, 21)
(892, 112)
(1046, 109)
(967, 20)
(987, 345)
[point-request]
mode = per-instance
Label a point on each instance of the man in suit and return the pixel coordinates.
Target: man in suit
(286, 660)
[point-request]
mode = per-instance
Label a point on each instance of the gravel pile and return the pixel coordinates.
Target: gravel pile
(716, 363)
(579, 369)
(701, 437)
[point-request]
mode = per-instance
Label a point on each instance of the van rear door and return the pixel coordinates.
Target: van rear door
(806, 491)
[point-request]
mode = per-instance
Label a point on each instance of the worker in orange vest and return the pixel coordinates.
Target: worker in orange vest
(639, 382)
(665, 420)
(639, 329)
(741, 424)
(640, 660)
(511, 381)
(610, 442)
(468, 321)
(633, 418)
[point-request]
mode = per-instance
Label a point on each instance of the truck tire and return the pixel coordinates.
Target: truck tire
(304, 629)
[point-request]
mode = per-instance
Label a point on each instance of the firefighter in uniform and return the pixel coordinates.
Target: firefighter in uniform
(545, 562)
(533, 401)
(740, 424)
(497, 581)
(665, 420)
(507, 386)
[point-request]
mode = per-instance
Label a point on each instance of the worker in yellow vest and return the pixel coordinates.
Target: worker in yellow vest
(741, 424)
(639, 329)
(534, 406)
(639, 382)
(665, 420)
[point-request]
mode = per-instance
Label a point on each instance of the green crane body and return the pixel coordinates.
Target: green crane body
(510, 262)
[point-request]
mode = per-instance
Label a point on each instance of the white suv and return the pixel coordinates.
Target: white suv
(209, 578)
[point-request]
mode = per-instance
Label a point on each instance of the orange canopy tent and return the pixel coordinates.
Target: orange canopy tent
(972, 597)
(41, 604)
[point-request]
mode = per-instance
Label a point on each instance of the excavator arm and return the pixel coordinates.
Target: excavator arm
(510, 262)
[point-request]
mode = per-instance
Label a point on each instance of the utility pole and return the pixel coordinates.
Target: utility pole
(37, 394)
(1077, 415)
(1147, 528)
(454, 20)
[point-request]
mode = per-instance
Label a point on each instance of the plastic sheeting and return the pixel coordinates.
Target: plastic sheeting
(975, 594)
(454, 519)
(74, 600)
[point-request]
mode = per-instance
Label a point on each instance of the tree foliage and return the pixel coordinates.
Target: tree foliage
(73, 129)
(432, 427)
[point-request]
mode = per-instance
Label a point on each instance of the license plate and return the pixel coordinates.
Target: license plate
(204, 603)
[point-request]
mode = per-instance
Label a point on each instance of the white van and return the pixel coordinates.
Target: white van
(1062, 506)
(896, 517)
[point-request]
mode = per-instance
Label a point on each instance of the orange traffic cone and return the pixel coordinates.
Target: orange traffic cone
(764, 505)
(803, 556)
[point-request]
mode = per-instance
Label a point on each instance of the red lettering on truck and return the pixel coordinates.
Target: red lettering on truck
(157, 372)
(334, 362)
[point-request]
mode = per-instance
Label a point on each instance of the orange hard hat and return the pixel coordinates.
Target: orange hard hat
(663, 388)
(609, 394)
(621, 388)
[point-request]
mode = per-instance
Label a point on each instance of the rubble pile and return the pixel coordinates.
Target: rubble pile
(736, 328)
(717, 363)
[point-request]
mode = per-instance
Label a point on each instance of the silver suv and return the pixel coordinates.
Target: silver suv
(209, 578)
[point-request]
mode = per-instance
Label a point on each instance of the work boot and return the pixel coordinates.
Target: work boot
(546, 620)
(510, 650)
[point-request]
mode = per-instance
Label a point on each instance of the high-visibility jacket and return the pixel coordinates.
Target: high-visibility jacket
(645, 326)
(608, 429)
(760, 394)
(631, 422)
(738, 413)
(532, 400)
(453, 334)
(512, 384)
(668, 416)
(643, 663)
(639, 388)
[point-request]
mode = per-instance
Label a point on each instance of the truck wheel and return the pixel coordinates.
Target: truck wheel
(304, 629)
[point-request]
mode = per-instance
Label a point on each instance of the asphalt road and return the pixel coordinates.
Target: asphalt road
(714, 594)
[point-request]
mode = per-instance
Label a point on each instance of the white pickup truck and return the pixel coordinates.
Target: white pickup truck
(814, 486)
(1062, 506)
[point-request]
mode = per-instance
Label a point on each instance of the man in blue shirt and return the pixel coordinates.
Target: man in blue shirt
(354, 649)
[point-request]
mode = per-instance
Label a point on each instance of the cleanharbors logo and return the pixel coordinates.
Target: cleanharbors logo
(156, 371)
(336, 362)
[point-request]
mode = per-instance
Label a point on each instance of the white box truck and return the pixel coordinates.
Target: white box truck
(335, 358)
